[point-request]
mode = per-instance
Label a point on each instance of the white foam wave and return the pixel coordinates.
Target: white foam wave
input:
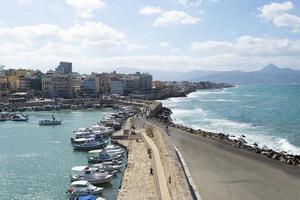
(198, 119)
(188, 113)
(206, 92)
(217, 100)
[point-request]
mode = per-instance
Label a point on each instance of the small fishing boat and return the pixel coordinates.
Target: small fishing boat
(107, 167)
(83, 188)
(50, 122)
(87, 144)
(113, 147)
(111, 152)
(112, 162)
(88, 197)
(102, 156)
(19, 118)
(90, 174)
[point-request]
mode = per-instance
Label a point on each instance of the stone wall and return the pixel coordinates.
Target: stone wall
(155, 108)
(177, 183)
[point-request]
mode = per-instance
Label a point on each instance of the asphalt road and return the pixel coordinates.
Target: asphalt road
(222, 172)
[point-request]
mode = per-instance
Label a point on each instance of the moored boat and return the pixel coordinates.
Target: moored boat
(90, 174)
(100, 156)
(87, 144)
(19, 118)
(83, 188)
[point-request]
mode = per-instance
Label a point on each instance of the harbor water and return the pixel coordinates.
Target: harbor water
(265, 114)
(36, 161)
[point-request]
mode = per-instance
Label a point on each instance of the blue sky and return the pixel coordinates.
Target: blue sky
(176, 35)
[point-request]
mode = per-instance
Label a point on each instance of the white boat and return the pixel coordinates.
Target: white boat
(103, 129)
(87, 134)
(83, 188)
(107, 167)
(112, 162)
(99, 156)
(87, 144)
(96, 130)
(112, 146)
(90, 174)
(19, 118)
(87, 197)
(111, 152)
(48, 122)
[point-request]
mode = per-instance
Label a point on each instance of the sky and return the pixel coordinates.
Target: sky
(173, 35)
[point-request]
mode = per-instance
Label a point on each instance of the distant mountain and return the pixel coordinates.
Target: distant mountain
(270, 74)
(164, 75)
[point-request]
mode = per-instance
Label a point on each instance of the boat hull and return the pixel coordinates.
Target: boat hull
(87, 148)
(94, 181)
(52, 123)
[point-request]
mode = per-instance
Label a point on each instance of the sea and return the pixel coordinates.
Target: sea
(268, 115)
(36, 162)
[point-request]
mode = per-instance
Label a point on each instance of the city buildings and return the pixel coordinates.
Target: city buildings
(64, 68)
(64, 83)
(116, 86)
(56, 85)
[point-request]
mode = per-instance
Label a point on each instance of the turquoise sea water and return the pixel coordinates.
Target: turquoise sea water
(266, 114)
(35, 161)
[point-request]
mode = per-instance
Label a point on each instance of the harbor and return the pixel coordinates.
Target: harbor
(37, 160)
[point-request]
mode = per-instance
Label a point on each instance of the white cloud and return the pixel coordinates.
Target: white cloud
(85, 8)
(190, 3)
(133, 47)
(24, 1)
(277, 13)
(164, 44)
(175, 50)
(186, 63)
(250, 46)
(175, 17)
(150, 10)
(214, 46)
(87, 35)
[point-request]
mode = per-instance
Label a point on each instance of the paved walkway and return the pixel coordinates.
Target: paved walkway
(138, 183)
(161, 178)
(224, 173)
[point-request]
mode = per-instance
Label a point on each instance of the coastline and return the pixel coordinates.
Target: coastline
(235, 173)
(233, 140)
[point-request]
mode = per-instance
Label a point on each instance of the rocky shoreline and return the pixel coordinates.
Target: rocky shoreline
(240, 143)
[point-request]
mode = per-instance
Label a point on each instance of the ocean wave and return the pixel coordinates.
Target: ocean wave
(206, 92)
(198, 119)
(217, 100)
(188, 113)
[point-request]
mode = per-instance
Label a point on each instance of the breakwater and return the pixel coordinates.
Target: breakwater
(176, 181)
(240, 143)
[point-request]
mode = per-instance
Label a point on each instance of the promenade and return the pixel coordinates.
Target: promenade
(222, 172)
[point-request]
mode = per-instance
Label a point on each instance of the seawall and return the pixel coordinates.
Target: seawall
(176, 181)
